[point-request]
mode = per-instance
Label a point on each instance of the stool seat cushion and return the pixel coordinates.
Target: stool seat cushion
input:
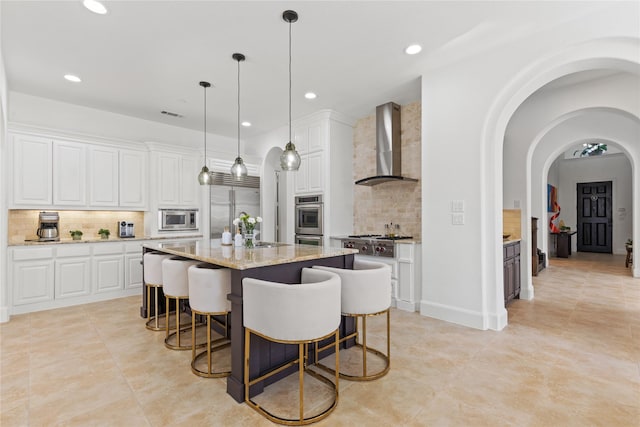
(293, 312)
(366, 289)
(208, 288)
(175, 278)
(152, 262)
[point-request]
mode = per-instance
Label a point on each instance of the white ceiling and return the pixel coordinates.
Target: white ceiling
(147, 56)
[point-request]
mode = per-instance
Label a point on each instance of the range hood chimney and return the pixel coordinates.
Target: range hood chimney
(388, 155)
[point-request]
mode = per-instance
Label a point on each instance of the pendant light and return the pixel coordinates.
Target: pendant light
(204, 177)
(238, 170)
(290, 159)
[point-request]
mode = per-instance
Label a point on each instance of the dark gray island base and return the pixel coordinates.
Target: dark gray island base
(284, 264)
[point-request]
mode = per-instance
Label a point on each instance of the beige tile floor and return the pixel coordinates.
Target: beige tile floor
(571, 357)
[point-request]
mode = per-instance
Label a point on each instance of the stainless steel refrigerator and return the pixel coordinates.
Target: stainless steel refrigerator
(229, 199)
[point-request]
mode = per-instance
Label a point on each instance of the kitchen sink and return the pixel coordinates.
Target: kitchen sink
(269, 244)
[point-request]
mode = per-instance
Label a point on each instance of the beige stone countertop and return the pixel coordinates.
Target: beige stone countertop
(509, 240)
(64, 241)
(241, 258)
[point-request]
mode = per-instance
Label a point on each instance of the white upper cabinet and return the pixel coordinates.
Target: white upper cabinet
(177, 180)
(59, 173)
(69, 173)
(103, 176)
(32, 170)
(133, 179)
(310, 141)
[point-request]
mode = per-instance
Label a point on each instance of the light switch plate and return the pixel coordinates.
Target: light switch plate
(457, 218)
(457, 206)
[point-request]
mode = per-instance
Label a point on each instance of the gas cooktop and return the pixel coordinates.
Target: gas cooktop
(378, 236)
(372, 244)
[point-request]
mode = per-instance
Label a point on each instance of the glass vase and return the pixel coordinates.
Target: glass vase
(248, 240)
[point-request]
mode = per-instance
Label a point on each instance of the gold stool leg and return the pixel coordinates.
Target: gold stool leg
(156, 307)
(364, 346)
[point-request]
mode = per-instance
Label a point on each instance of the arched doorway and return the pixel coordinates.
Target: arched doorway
(610, 54)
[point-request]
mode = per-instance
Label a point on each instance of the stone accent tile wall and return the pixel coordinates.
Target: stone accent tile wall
(511, 223)
(24, 223)
(397, 202)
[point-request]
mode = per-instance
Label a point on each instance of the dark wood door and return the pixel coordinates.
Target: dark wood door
(595, 222)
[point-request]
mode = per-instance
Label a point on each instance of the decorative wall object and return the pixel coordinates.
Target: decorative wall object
(552, 198)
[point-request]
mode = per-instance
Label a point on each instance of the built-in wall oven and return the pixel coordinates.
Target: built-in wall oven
(308, 219)
(177, 219)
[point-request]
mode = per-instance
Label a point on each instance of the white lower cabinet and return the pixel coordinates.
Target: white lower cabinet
(32, 276)
(59, 275)
(133, 271)
(72, 271)
(133, 265)
(107, 264)
(406, 274)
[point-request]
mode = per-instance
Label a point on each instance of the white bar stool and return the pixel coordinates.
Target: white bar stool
(366, 291)
(292, 314)
(152, 267)
(176, 287)
(209, 286)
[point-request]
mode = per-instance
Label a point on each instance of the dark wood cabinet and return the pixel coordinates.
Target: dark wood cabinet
(563, 243)
(511, 271)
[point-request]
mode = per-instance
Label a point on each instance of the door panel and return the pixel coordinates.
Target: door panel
(595, 222)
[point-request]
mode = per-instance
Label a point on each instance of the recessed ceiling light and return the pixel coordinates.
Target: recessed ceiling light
(246, 124)
(95, 6)
(72, 78)
(310, 95)
(413, 49)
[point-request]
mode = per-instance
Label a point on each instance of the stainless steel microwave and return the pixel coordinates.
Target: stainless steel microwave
(177, 219)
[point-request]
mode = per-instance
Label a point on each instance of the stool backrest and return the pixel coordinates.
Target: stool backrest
(208, 288)
(366, 289)
(293, 312)
(152, 263)
(175, 279)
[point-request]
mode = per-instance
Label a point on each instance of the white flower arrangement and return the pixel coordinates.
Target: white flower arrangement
(248, 222)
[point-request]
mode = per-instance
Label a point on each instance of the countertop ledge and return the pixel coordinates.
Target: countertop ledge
(507, 241)
(109, 240)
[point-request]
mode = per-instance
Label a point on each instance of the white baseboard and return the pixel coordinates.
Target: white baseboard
(4, 314)
(407, 306)
(464, 317)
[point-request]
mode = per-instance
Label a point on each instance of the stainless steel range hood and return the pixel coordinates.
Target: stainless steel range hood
(388, 154)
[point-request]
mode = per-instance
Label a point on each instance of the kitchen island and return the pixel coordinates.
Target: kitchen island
(276, 262)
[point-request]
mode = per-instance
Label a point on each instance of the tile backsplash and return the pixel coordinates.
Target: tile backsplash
(24, 223)
(511, 223)
(397, 202)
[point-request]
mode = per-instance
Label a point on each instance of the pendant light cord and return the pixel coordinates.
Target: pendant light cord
(289, 80)
(238, 107)
(205, 125)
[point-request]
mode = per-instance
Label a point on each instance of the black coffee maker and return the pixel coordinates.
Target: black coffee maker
(48, 227)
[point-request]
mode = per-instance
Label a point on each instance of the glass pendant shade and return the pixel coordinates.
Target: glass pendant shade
(290, 159)
(204, 177)
(238, 170)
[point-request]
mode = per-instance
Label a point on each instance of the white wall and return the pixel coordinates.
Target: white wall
(615, 168)
(47, 113)
(4, 293)
(466, 108)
